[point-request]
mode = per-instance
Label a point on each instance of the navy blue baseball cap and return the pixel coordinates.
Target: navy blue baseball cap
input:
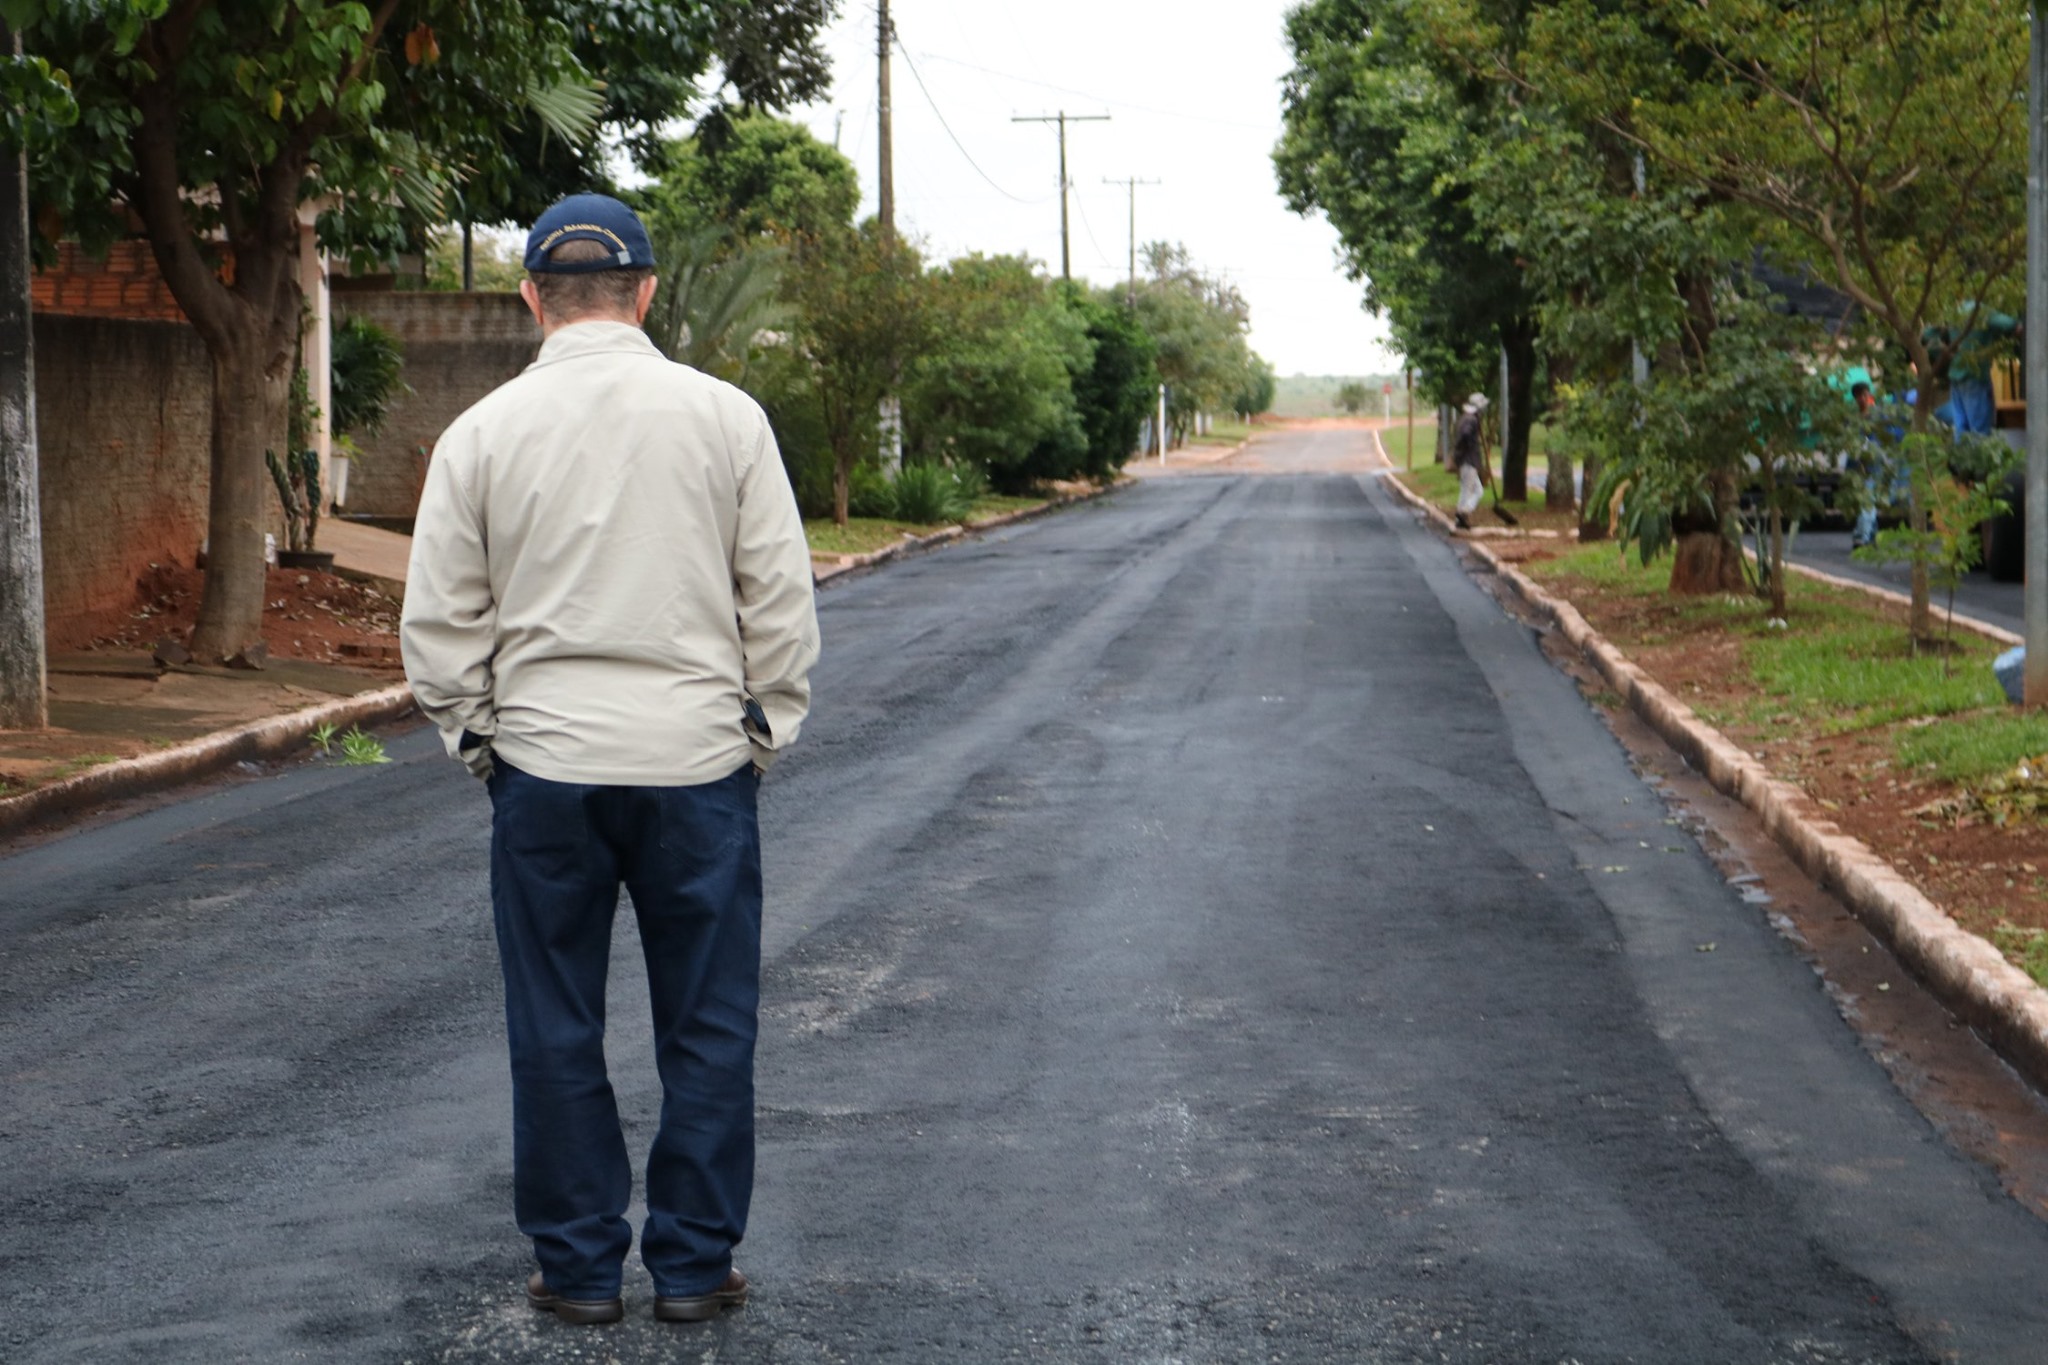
(589, 218)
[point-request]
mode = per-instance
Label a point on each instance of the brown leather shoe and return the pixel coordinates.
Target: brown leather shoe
(702, 1307)
(579, 1311)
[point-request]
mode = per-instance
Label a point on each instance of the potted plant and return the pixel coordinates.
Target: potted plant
(365, 378)
(297, 476)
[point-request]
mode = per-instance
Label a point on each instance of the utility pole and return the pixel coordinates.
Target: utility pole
(885, 185)
(2036, 601)
(23, 675)
(1063, 118)
(1131, 182)
(1410, 373)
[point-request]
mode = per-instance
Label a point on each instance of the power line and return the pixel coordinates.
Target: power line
(1088, 228)
(1063, 118)
(1098, 99)
(955, 136)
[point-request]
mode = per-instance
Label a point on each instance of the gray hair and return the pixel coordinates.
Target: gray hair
(594, 293)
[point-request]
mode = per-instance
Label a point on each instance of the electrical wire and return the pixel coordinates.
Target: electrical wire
(955, 136)
(1089, 228)
(1099, 99)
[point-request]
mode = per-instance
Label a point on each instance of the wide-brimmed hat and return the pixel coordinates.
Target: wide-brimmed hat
(1475, 402)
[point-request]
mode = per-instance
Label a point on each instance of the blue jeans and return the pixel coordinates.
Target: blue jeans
(690, 857)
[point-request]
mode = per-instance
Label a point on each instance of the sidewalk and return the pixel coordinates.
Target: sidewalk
(367, 554)
(118, 715)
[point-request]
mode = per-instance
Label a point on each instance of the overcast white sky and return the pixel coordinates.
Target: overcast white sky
(1192, 91)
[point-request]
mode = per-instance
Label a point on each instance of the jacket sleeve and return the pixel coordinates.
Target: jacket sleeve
(771, 573)
(448, 630)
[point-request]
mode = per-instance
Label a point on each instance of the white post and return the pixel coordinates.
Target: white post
(1162, 424)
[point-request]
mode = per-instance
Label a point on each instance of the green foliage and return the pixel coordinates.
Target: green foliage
(928, 494)
(366, 375)
(1941, 540)
(2026, 948)
(993, 384)
(296, 476)
(1350, 396)
(361, 749)
(715, 302)
(869, 494)
(1198, 325)
(1385, 134)
(1260, 388)
(861, 313)
(322, 738)
(760, 177)
(1114, 393)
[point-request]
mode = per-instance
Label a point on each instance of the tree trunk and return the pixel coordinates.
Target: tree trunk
(1520, 343)
(842, 485)
(1592, 515)
(1920, 614)
(1777, 564)
(251, 385)
(23, 703)
(1706, 561)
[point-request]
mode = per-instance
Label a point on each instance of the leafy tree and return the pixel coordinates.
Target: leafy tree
(1384, 132)
(213, 121)
(1198, 324)
(1259, 390)
(1351, 396)
(1738, 410)
(1883, 141)
(761, 176)
(1115, 392)
(992, 385)
(1946, 545)
(860, 314)
(650, 59)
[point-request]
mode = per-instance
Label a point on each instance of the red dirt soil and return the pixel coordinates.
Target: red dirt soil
(321, 617)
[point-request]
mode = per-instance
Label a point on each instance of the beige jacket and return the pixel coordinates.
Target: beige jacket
(607, 565)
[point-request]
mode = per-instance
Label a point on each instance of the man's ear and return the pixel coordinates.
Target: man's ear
(645, 299)
(532, 297)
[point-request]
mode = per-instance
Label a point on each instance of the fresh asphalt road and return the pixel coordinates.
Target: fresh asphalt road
(1202, 928)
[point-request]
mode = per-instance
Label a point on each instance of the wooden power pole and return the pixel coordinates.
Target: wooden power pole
(885, 186)
(1131, 183)
(1063, 118)
(23, 675)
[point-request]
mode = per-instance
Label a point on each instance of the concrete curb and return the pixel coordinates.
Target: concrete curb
(849, 563)
(269, 738)
(1971, 977)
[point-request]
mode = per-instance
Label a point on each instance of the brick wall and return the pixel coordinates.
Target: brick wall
(126, 284)
(123, 422)
(458, 347)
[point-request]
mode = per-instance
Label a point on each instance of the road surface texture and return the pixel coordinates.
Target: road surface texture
(1202, 928)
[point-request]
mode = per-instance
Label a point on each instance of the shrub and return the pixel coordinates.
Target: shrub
(927, 493)
(868, 494)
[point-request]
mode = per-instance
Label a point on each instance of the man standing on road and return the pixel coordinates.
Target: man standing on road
(1468, 457)
(608, 614)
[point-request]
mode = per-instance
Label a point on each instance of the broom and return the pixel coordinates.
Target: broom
(1507, 518)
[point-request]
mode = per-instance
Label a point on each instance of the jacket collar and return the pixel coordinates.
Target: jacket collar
(579, 339)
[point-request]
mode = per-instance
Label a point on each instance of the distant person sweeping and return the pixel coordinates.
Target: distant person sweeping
(1468, 457)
